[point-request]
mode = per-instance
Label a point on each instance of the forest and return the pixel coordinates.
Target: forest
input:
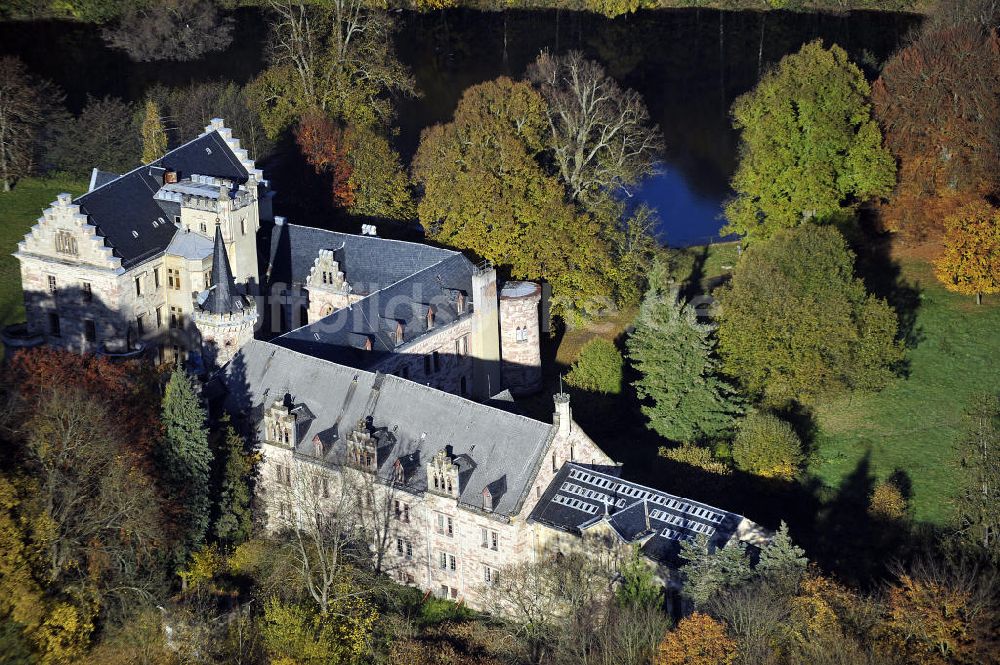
(129, 531)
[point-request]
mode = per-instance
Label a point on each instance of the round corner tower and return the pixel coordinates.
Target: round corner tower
(520, 343)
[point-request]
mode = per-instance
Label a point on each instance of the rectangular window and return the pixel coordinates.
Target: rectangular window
(89, 331)
(176, 317)
(489, 538)
(445, 525)
(138, 286)
(52, 284)
(243, 226)
(437, 361)
(156, 276)
(491, 575)
(159, 318)
(140, 324)
(399, 545)
(443, 591)
(409, 550)
(88, 295)
(326, 488)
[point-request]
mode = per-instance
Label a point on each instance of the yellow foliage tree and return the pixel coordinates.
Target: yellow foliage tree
(698, 640)
(154, 136)
(929, 622)
(970, 264)
(887, 502)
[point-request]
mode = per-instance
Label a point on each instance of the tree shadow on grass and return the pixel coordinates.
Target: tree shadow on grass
(883, 276)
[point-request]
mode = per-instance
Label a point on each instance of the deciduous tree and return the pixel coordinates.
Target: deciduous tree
(154, 136)
(685, 398)
(810, 149)
(336, 57)
(484, 191)
(380, 184)
(937, 103)
(698, 640)
(24, 101)
(170, 30)
(598, 368)
(105, 135)
(767, 446)
(979, 459)
(797, 324)
(970, 263)
(322, 144)
(600, 136)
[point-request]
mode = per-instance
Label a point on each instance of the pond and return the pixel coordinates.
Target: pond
(689, 65)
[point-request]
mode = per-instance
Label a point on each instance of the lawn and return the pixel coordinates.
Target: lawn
(19, 209)
(912, 424)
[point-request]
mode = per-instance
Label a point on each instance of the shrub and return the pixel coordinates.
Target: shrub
(698, 456)
(767, 446)
(598, 369)
(887, 501)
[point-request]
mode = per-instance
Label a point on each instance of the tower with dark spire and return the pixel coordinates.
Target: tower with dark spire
(225, 318)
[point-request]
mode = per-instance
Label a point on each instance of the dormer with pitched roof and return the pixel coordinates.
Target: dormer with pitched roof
(443, 475)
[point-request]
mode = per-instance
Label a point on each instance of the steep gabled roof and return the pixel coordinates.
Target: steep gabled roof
(124, 211)
(493, 448)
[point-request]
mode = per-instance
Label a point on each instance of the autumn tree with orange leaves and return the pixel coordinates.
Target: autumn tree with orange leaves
(971, 261)
(698, 640)
(322, 144)
(936, 101)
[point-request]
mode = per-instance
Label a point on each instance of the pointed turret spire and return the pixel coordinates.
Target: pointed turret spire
(222, 295)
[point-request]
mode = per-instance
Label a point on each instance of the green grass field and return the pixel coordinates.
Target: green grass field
(19, 209)
(913, 424)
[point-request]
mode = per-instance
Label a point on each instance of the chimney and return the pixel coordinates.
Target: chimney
(563, 416)
(169, 177)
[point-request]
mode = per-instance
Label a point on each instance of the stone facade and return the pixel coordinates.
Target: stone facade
(430, 540)
(520, 342)
(79, 294)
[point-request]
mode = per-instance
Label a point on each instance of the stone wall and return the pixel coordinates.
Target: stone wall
(520, 342)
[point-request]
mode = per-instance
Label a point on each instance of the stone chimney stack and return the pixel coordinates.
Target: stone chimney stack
(563, 416)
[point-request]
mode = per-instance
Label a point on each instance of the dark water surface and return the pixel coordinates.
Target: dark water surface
(688, 64)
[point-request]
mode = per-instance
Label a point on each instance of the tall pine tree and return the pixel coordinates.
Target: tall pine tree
(185, 458)
(686, 399)
(234, 521)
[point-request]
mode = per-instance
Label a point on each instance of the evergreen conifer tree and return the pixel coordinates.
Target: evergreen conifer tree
(783, 563)
(686, 399)
(234, 517)
(706, 573)
(185, 458)
(638, 587)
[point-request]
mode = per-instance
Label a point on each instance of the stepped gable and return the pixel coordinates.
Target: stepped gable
(580, 499)
(123, 209)
(369, 263)
(492, 448)
(399, 280)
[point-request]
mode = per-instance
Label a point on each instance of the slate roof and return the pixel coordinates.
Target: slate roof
(402, 281)
(222, 297)
(580, 498)
(493, 448)
(124, 211)
(369, 263)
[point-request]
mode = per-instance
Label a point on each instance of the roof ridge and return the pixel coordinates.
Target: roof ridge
(146, 165)
(364, 237)
(399, 378)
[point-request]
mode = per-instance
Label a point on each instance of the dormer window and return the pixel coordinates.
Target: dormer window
(460, 302)
(66, 243)
(279, 425)
(430, 318)
(487, 499)
(399, 332)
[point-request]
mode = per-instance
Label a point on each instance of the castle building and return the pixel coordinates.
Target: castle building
(465, 488)
(375, 375)
(118, 270)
